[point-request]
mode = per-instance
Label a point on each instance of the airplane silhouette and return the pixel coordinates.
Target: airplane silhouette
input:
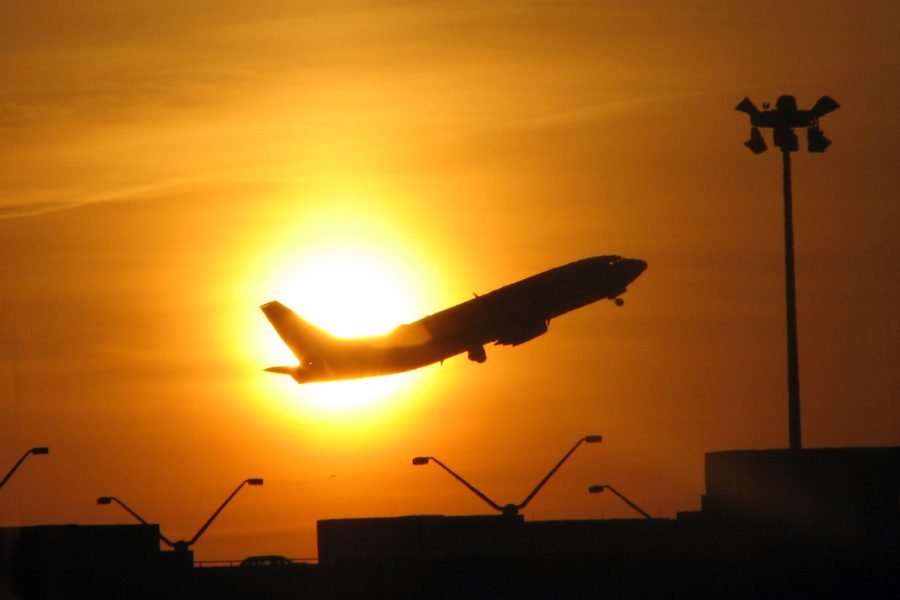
(510, 316)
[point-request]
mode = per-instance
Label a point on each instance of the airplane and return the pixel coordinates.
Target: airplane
(511, 315)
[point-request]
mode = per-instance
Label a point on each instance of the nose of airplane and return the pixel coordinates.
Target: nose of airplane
(633, 267)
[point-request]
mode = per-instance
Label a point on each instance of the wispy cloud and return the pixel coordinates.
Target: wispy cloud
(125, 193)
(27, 210)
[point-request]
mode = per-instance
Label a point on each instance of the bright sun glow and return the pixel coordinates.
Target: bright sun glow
(349, 292)
(353, 277)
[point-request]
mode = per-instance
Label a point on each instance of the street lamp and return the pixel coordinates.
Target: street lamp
(509, 510)
(110, 499)
(183, 545)
(36, 450)
(423, 460)
(251, 481)
(596, 489)
(783, 119)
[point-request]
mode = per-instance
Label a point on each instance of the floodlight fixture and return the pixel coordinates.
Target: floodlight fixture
(420, 460)
(823, 106)
(747, 106)
(786, 103)
(756, 143)
(816, 140)
(783, 119)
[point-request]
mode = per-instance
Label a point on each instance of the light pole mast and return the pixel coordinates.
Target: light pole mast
(782, 120)
(790, 296)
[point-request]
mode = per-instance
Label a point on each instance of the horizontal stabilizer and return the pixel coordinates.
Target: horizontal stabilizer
(282, 370)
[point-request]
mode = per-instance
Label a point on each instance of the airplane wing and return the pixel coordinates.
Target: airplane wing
(487, 319)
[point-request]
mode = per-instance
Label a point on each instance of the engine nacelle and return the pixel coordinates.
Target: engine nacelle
(522, 333)
(477, 354)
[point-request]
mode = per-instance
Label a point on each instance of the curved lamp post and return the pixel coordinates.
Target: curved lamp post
(36, 450)
(252, 481)
(596, 489)
(183, 545)
(509, 510)
(111, 499)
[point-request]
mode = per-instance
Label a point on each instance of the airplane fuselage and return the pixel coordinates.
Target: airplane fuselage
(510, 315)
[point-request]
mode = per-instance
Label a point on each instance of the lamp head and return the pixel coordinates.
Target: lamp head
(596, 489)
(756, 143)
(104, 500)
(40, 450)
(816, 140)
(824, 105)
(255, 481)
(593, 439)
(786, 104)
(747, 106)
(420, 460)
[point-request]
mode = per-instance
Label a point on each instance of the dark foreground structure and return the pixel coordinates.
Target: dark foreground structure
(774, 524)
(97, 562)
(815, 523)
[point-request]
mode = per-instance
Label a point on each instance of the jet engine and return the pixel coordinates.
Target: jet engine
(523, 332)
(477, 354)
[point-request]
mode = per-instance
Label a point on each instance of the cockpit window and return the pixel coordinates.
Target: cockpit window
(611, 260)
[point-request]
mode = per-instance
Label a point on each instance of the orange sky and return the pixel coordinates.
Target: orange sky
(167, 167)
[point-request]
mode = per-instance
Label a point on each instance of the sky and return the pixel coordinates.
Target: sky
(167, 167)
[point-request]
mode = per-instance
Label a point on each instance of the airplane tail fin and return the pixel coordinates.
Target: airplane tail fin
(303, 338)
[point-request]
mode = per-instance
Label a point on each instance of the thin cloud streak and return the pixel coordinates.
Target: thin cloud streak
(125, 194)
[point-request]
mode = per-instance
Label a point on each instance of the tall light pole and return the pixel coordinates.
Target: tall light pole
(36, 450)
(183, 545)
(509, 510)
(782, 120)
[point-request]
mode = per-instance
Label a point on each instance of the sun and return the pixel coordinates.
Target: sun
(353, 277)
(349, 292)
